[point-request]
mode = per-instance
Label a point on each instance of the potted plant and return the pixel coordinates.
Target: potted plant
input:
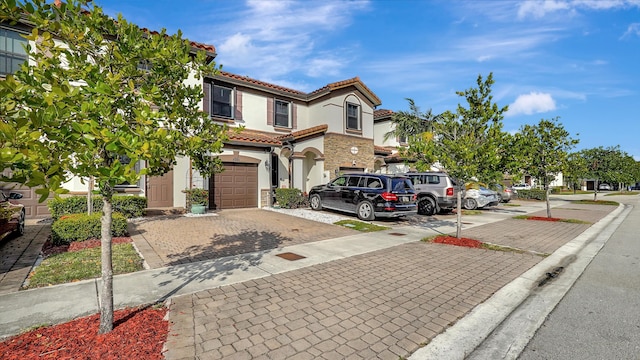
(197, 200)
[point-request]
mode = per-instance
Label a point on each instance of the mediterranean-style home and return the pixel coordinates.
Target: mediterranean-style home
(289, 138)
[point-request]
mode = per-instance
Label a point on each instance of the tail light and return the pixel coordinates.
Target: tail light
(415, 197)
(389, 196)
(450, 191)
(507, 190)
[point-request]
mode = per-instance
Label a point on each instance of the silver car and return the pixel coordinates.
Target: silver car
(478, 197)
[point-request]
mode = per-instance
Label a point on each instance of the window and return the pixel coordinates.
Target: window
(402, 139)
(222, 101)
(353, 117)
(125, 160)
(353, 181)
(12, 53)
(281, 113)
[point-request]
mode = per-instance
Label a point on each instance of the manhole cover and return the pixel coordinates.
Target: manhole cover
(290, 256)
(397, 234)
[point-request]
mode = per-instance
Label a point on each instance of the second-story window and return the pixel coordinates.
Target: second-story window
(353, 117)
(281, 114)
(12, 53)
(222, 101)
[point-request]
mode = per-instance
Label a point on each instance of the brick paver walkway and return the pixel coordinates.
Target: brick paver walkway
(173, 240)
(18, 254)
(379, 305)
(383, 304)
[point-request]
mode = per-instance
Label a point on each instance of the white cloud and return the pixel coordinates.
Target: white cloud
(532, 103)
(540, 8)
(633, 29)
(272, 39)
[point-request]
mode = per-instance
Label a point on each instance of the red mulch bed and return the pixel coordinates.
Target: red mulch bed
(49, 248)
(542, 218)
(138, 333)
(451, 240)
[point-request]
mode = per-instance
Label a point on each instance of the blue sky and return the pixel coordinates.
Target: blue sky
(574, 59)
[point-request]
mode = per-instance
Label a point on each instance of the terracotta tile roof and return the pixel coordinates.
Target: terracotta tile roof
(300, 94)
(206, 47)
(381, 113)
(382, 150)
(253, 136)
(249, 80)
(344, 83)
(319, 129)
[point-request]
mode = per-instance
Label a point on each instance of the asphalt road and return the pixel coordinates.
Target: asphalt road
(599, 318)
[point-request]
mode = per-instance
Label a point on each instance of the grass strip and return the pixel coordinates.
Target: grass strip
(361, 226)
(82, 265)
(596, 202)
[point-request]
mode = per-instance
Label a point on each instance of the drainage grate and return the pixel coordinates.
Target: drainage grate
(290, 256)
(397, 234)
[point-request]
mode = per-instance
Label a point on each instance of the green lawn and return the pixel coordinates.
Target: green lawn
(81, 265)
(361, 226)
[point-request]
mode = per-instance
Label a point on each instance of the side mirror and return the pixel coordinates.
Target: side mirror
(15, 196)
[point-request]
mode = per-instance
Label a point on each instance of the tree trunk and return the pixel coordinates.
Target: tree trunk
(548, 192)
(459, 213)
(595, 190)
(106, 295)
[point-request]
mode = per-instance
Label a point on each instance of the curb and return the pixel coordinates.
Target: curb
(463, 338)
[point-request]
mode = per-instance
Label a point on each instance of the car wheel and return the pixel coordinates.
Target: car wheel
(470, 204)
(315, 202)
(365, 211)
(20, 229)
(426, 206)
(500, 198)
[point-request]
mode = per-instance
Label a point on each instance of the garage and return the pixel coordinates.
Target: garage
(33, 209)
(236, 187)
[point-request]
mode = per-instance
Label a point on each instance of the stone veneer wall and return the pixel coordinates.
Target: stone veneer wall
(337, 152)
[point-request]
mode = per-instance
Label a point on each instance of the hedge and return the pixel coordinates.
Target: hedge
(129, 206)
(533, 194)
(291, 198)
(80, 227)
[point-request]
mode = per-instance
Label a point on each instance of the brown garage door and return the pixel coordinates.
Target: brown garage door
(236, 187)
(33, 209)
(160, 190)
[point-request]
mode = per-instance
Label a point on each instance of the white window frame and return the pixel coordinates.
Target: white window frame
(357, 117)
(275, 113)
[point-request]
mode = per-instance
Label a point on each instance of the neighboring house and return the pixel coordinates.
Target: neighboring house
(290, 139)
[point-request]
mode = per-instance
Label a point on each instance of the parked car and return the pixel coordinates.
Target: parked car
(436, 192)
(517, 187)
(366, 195)
(477, 196)
(604, 187)
(15, 223)
(504, 193)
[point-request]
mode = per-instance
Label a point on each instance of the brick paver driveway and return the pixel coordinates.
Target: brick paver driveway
(172, 240)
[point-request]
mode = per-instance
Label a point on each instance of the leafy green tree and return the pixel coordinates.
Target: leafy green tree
(603, 164)
(470, 143)
(415, 126)
(543, 151)
(100, 96)
(575, 171)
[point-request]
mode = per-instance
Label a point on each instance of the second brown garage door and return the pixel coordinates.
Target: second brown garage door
(236, 187)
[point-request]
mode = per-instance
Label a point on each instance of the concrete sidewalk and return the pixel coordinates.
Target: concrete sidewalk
(359, 278)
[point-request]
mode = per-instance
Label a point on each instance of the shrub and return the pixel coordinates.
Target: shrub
(291, 198)
(197, 196)
(129, 206)
(80, 227)
(533, 194)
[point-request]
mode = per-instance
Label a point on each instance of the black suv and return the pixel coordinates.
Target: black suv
(366, 195)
